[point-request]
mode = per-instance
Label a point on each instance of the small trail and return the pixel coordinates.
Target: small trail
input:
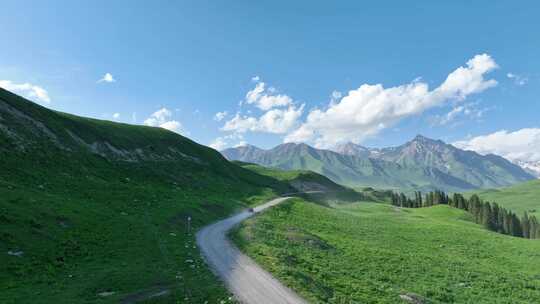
(245, 279)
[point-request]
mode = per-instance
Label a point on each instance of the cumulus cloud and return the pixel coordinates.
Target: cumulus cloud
(518, 79)
(369, 109)
(223, 142)
(163, 119)
(266, 99)
(242, 143)
(108, 77)
(28, 90)
(277, 121)
(220, 115)
(116, 116)
(218, 144)
(520, 145)
(279, 115)
(173, 125)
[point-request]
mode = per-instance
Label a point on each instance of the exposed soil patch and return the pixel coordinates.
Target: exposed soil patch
(295, 235)
(144, 295)
(413, 298)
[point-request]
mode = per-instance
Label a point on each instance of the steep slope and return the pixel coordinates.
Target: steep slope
(96, 211)
(243, 153)
(532, 167)
(451, 163)
(353, 150)
(422, 164)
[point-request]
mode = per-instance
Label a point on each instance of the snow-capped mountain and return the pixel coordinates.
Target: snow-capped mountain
(533, 167)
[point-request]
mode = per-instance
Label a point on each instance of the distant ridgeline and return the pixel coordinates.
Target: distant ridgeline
(492, 216)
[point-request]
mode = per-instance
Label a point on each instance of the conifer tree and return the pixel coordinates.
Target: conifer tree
(403, 200)
(495, 217)
(516, 229)
(506, 221)
(487, 214)
(535, 229)
(394, 197)
(437, 197)
(474, 204)
(525, 226)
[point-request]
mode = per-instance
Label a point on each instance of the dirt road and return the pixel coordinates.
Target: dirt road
(245, 279)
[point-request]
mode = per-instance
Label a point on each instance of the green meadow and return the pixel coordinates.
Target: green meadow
(375, 253)
(518, 198)
(108, 233)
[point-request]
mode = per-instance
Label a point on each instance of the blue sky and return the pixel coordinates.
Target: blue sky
(186, 61)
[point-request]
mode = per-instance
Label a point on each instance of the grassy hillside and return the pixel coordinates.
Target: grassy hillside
(519, 198)
(96, 212)
(375, 253)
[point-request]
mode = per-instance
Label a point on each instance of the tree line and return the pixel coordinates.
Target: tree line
(490, 215)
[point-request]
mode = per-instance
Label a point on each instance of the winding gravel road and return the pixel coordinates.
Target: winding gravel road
(245, 279)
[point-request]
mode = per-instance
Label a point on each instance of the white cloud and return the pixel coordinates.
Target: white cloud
(116, 116)
(277, 121)
(518, 79)
(173, 125)
(241, 144)
(266, 102)
(468, 110)
(218, 144)
(279, 116)
(369, 109)
(28, 90)
(107, 78)
(163, 118)
(240, 124)
(158, 117)
(255, 78)
(266, 99)
(223, 142)
(220, 115)
(520, 145)
(450, 116)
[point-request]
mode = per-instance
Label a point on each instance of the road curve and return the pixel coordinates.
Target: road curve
(249, 283)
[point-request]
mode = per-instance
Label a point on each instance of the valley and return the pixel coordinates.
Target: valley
(269, 152)
(100, 212)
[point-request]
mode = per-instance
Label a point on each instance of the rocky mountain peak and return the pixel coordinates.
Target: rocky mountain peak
(289, 147)
(350, 148)
(420, 139)
(421, 143)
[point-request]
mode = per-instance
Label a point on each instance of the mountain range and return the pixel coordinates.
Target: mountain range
(532, 167)
(420, 164)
